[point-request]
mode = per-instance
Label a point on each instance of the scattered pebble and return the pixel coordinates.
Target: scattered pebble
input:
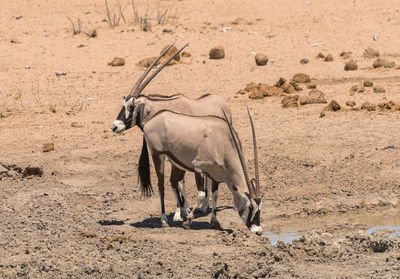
(380, 62)
(379, 89)
(304, 61)
(314, 97)
(321, 55)
(217, 52)
(27, 67)
(117, 62)
(261, 59)
(345, 54)
(368, 106)
(61, 74)
(290, 101)
(47, 147)
(186, 54)
(351, 66)
(32, 171)
(311, 86)
(333, 106)
(328, 58)
(370, 53)
(368, 83)
(350, 103)
(301, 78)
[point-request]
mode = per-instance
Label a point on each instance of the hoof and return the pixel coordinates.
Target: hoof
(177, 218)
(186, 225)
(215, 224)
(164, 224)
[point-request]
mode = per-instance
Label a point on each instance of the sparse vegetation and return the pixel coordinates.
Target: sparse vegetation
(77, 28)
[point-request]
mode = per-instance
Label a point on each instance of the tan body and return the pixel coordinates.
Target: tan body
(203, 145)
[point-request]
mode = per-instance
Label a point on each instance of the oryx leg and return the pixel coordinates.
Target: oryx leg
(214, 222)
(204, 206)
(177, 175)
(159, 160)
(200, 198)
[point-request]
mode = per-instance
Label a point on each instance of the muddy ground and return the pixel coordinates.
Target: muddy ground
(328, 177)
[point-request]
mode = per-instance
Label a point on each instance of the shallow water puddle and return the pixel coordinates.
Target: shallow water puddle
(287, 230)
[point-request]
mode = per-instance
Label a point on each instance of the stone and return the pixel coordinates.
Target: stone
(368, 106)
(47, 147)
(350, 103)
(368, 83)
(314, 97)
(351, 66)
(261, 59)
(328, 58)
(333, 106)
(290, 101)
(117, 62)
(379, 89)
(380, 62)
(304, 61)
(301, 78)
(370, 53)
(217, 52)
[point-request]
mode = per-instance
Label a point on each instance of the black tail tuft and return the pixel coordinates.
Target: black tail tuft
(144, 172)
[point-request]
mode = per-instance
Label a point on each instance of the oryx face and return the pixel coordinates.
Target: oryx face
(249, 211)
(127, 116)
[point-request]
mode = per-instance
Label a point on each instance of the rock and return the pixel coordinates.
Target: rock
(380, 62)
(333, 106)
(371, 53)
(322, 114)
(304, 61)
(351, 66)
(356, 89)
(350, 103)
(379, 89)
(314, 97)
(328, 58)
(321, 55)
(15, 41)
(301, 78)
(32, 170)
(255, 90)
(368, 83)
(256, 94)
(217, 52)
(3, 169)
(290, 101)
(47, 147)
(261, 59)
(280, 82)
(368, 106)
(395, 106)
(117, 62)
(311, 86)
(186, 54)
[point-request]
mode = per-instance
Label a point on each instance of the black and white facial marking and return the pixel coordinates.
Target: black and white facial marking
(127, 116)
(250, 214)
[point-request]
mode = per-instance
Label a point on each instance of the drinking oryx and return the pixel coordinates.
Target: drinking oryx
(147, 107)
(205, 145)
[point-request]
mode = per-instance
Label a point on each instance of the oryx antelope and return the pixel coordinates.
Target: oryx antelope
(138, 109)
(206, 145)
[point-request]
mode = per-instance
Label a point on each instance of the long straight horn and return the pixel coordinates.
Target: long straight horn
(144, 84)
(256, 170)
(241, 157)
(142, 77)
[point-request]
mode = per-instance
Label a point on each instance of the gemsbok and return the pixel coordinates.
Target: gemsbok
(147, 107)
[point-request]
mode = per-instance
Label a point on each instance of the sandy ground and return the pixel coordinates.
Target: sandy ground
(330, 178)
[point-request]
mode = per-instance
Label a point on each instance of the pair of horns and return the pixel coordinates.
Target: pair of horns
(254, 190)
(139, 86)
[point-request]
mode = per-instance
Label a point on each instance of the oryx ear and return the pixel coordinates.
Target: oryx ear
(128, 105)
(255, 209)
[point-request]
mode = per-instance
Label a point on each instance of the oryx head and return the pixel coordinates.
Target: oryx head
(250, 207)
(132, 106)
